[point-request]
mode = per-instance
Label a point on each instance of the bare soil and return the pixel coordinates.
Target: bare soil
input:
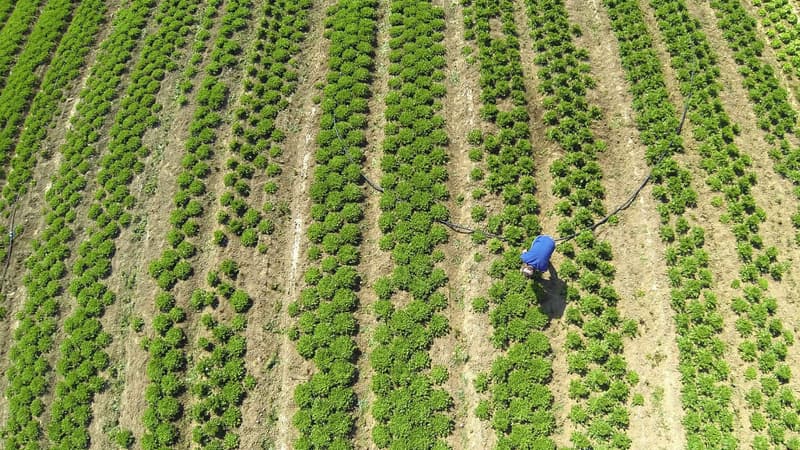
(375, 263)
(303, 115)
(468, 350)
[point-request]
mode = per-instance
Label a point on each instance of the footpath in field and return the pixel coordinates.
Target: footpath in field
(374, 263)
(467, 351)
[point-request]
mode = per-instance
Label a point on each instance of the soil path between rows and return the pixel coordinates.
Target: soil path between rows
(468, 350)
(304, 115)
(375, 263)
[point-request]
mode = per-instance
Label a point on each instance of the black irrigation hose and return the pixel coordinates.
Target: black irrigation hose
(636, 192)
(453, 226)
(467, 230)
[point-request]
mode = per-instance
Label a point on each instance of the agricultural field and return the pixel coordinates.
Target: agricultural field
(297, 224)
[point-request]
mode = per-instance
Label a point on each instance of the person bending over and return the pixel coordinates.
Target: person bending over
(537, 258)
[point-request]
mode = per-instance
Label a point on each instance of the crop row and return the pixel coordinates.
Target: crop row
(167, 365)
(256, 146)
(22, 83)
(779, 21)
(71, 55)
(770, 101)
(594, 340)
(6, 7)
(520, 403)
(29, 373)
(705, 375)
(764, 343)
(325, 324)
(83, 357)
(199, 46)
(221, 379)
(409, 409)
(14, 33)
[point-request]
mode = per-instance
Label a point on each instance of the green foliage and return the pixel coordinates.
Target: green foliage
(124, 438)
(480, 305)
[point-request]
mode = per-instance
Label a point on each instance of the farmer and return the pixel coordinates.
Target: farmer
(538, 256)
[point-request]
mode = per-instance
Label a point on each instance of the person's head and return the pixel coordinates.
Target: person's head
(527, 270)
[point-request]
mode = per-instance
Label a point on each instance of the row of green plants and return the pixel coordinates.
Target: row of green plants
(705, 375)
(83, 357)
(763, 343)
(29, 373)
(516, 395)
(325, 324)
(769, 99)
(220, 379)
(71, 53)
(760, 80)
(411, 409)
(223, 382)
(203, 33)
(14, 33)
(779, 21)
(167, 365)
(601, 382)
(6, 7)
(22, 83)
(271, 79)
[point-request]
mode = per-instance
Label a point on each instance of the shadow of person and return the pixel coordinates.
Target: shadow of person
(552, 293)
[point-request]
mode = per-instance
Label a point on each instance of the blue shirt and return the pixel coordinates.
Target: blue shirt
(539, 254)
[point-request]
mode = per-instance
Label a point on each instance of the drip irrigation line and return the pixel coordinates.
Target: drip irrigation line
(463, 229)
(646, 179)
